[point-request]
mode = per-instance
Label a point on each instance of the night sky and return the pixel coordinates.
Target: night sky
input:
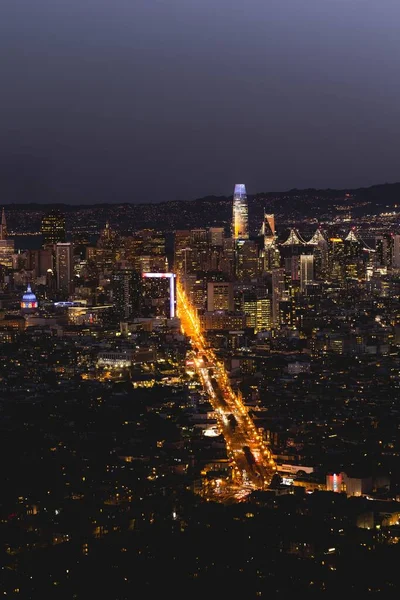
(150, 100)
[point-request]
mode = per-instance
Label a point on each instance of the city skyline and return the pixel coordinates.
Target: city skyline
(164, 383)
(200, 379)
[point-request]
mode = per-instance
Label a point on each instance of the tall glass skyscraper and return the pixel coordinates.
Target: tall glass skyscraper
(240, 221)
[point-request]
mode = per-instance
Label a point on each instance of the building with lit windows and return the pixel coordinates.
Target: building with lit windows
(258, 312)
(6, 245)
(268, 229)
(126, 293)
(306, 271)
(384, 250)
(337, 259)
(221, 320)
(64, 267)
(216, 236)
(396, 251)
(53, 228)
(114, 360)
(220, 296)
(248, 262)
(278, 290)
(158, 295)
(181, 248)
(240, 221)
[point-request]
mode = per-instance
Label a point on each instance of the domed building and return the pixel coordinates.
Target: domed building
(29, 301)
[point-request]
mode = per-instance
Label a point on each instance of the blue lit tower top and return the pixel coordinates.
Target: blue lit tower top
(240, 220)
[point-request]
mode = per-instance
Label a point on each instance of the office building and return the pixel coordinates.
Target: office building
(64, 267)
(292, 267)
(220, 296)
(278, 290)
(3, 226)
(53, 228)
(384, 250)
(258, 312)
(222, 321)
(336, 259)
(306, 271)
(396, 251)
(248, 263)
(240, 221)
(268, 229)
(216, 236)
(126, 293)
(40, 262)
(6, 245)
(158, 295)
(264, 314)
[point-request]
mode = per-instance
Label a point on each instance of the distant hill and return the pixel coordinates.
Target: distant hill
(291, 205)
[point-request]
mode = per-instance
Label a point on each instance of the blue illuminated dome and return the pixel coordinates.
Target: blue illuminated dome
(29, 299)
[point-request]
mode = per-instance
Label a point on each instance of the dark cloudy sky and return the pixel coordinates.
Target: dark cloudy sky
(149, 100)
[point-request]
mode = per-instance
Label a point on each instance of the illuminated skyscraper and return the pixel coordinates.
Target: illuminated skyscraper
(240, 221)
(220, 296)
(258, 312)
(268, 229)
(270, 252)
(53, 228)
(306, 270)
(278, 290)
(6, 245)
(3, 226)
(396, 251)
(126, 290)
(64, 267)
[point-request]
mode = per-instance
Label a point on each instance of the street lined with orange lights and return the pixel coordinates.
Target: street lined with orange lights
(251, 458)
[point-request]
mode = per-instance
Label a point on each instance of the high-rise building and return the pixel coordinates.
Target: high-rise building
(396, 251)
(53, 228)
(248, 262)
(216, 236)
(3, 226)
(292, 267)
(264, 314)
(220, 296)
(196, 290)
(250, 309)
(306, 270)
(240, 221)
(181, 248)
(40, 261)
(353, 251)
(64, 267)
(384, 250)
(258, 312)
(126, 291)
(158, 295)
(6, 245)
(107, 246)
(278, 289)
(268, 229)
(270, 252)
(337, 259)
(227, 262)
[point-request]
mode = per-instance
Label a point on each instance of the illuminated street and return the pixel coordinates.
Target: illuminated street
(252, 463)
